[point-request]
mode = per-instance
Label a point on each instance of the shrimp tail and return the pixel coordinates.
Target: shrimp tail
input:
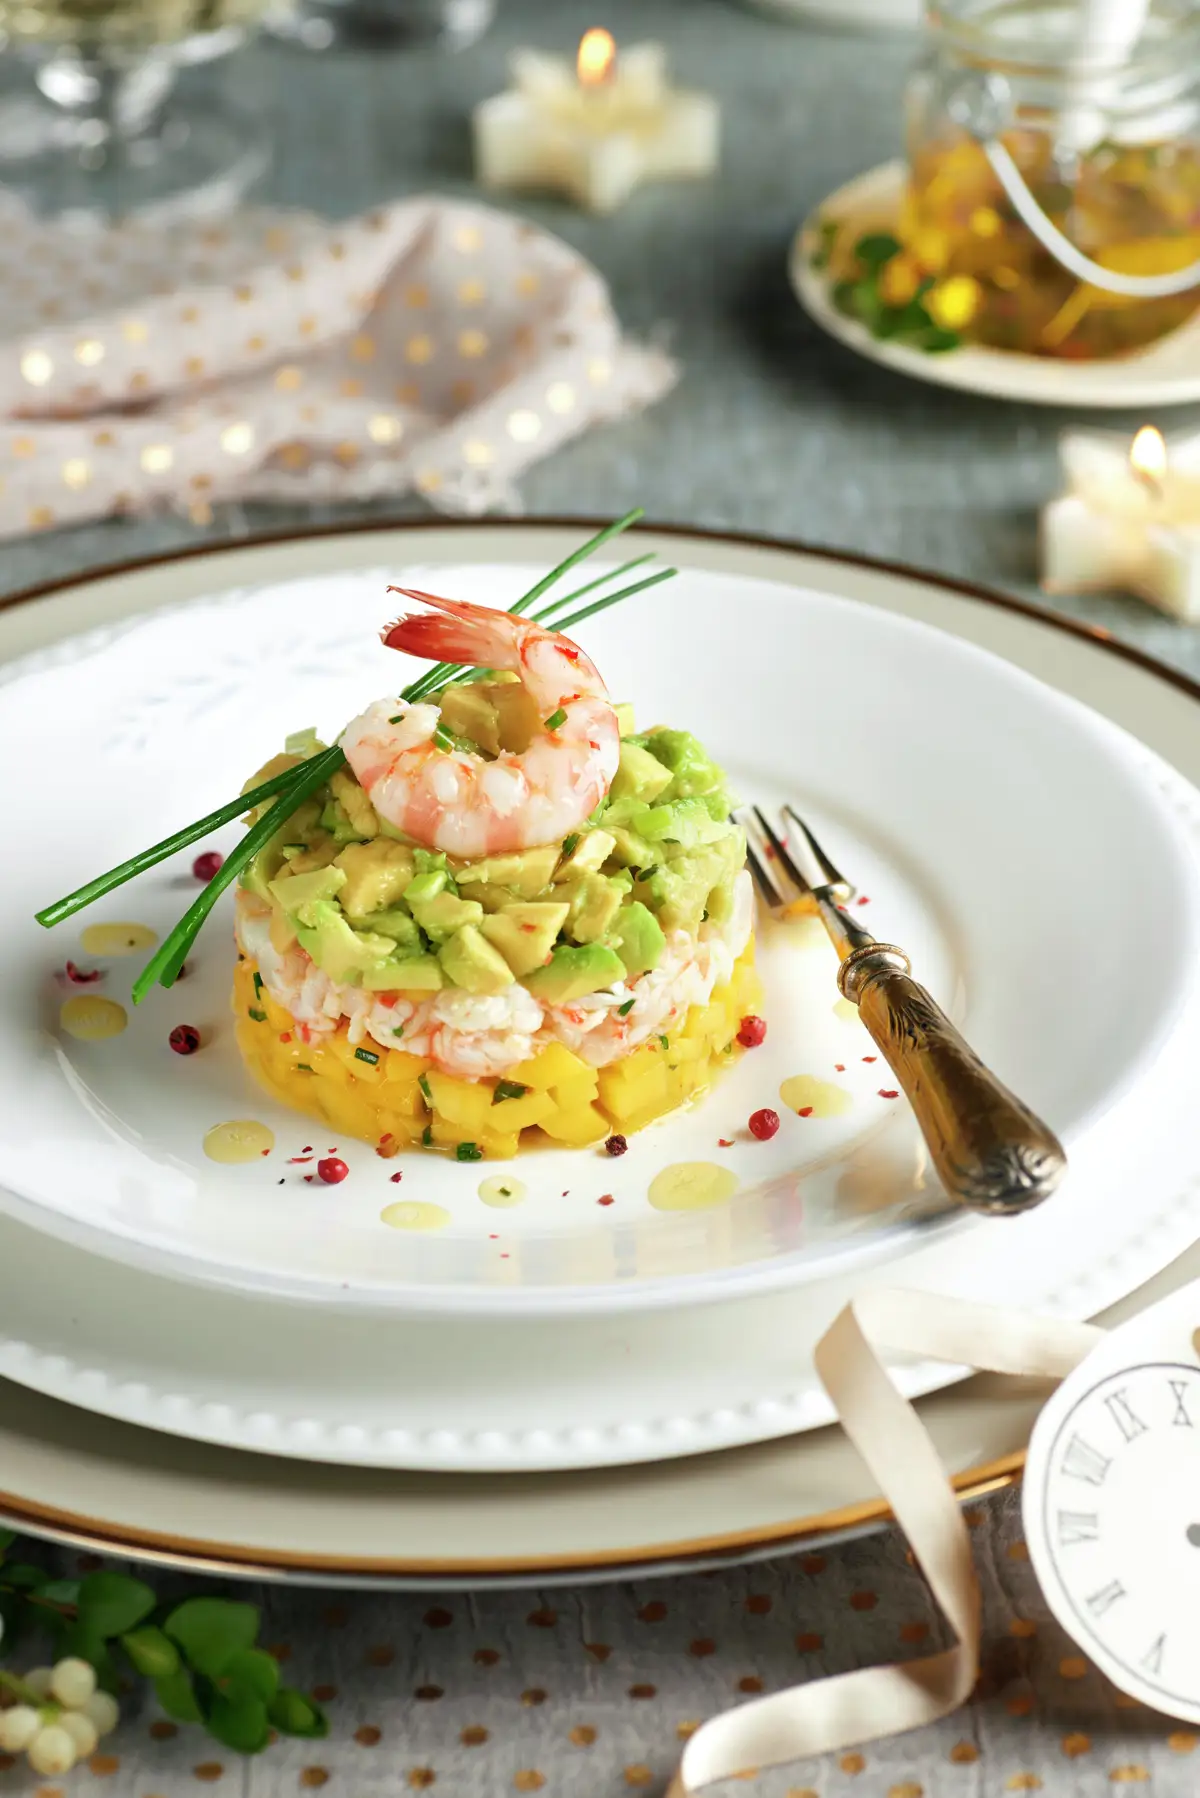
(462, 633)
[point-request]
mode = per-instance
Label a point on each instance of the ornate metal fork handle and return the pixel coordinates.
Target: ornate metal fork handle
(991, 1152)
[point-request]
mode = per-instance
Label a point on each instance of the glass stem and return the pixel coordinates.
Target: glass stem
(111, 96)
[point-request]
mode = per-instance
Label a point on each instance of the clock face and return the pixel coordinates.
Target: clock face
(1112, 1512)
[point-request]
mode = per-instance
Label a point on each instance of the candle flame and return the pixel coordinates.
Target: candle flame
(597, 53)
(1148, 456)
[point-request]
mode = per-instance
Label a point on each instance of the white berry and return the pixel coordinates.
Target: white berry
(82, 1731)
(52, 1750)
(38, 1680)
(73, 1682)
(18, 1727)
(102, 1712)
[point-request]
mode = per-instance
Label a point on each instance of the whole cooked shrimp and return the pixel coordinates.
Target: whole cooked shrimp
(461, 803)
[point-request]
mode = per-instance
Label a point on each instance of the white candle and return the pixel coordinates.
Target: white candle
(595, 131)
(1130, 519)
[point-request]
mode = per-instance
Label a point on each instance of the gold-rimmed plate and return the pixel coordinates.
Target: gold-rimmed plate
(128, 1490)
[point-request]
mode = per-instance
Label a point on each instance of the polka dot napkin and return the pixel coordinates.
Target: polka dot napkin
(430, 344)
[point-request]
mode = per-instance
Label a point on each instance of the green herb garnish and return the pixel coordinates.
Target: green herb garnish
(397, 1029)
(508, 1089)
(366, 1055)
(158, 852)
(426, 1136)
(423, 1083)
(303, 1067)
(163, 967)
(623, 1011)
(442, 738)
(665, 1041)
(468, 1151)
(571, 843)
(258, 985)
(260, 1017)
(201, 1658)
(555, 719)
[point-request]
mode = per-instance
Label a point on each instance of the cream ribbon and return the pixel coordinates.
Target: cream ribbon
(881, 1701)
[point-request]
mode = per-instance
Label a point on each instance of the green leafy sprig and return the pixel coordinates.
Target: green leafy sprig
(292, 786)
(201, 1657)
(861, 294)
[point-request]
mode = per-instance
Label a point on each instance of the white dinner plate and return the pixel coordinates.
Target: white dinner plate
(1167, 373)
(122, 1489)
(950, 786)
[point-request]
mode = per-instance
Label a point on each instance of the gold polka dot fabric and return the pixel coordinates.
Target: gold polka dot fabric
(592, 1692)
(435, 345)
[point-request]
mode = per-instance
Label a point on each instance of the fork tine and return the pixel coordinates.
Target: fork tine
(762, 879)
(832, 874)
(762, 874)
(783, 853)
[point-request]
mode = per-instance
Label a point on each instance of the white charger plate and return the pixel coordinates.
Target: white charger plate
(942, 779)
(240, 1368)
(1167, 373)
(111, 1486)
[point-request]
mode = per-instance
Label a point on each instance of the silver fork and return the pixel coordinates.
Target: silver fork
(991, 1152)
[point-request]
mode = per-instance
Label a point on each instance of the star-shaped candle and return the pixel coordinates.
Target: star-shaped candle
(594, 131)
(1130, 519)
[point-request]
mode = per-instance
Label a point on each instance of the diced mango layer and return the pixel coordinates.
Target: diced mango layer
(393, 1100)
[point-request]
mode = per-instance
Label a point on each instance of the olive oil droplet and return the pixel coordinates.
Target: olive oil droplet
(692, 1186)
(815, 1098)
(502, 1191)
(118, 939)
(414, 1214)
(241, 1139)
(91, 1018)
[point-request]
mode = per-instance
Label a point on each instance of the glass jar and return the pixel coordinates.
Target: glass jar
(1097, 104)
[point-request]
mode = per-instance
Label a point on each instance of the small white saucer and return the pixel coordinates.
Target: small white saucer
(1166, 374)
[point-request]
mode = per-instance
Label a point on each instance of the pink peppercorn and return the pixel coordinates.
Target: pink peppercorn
(764, 1124)
(616, 1145)
(331, 1170)
(208, 864)
(184, 1039)
(751, 1032)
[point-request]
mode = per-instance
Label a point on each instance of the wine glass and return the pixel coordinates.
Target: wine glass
(92, 124)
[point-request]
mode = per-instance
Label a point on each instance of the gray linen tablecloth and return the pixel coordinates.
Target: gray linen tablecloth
(772, 429)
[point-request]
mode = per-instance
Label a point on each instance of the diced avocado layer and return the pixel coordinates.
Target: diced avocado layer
(658, 855)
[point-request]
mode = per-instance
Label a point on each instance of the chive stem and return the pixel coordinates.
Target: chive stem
(610, 574)
(580, 555)
(168, 958)
(149, 858)
(611, 599)
(436, 676)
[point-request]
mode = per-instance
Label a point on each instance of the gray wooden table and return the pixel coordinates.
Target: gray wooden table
(772, 429)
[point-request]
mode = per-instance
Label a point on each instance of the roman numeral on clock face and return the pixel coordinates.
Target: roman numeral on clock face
(1077, 1526)
(1105, 1598)
(1124, 1416)
(1083, 1462)
(1181, 1419)
(1152, 1660)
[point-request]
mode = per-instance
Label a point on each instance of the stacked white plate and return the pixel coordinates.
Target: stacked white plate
(1040, 863)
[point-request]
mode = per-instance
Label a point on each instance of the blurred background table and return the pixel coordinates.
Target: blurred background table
(772, 429)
